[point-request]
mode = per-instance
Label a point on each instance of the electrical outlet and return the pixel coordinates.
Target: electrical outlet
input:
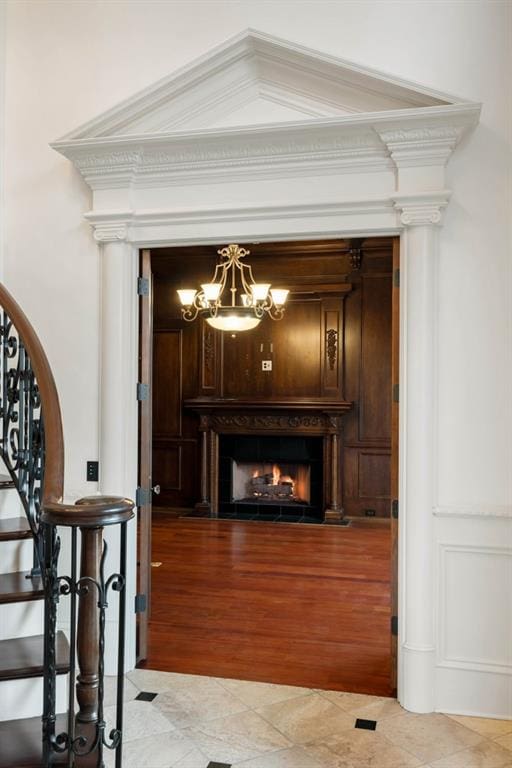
(92, 471)
(266, 365)
(369, 512)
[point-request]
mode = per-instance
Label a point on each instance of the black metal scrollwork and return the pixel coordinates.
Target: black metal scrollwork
(75, 587)
(22, 441)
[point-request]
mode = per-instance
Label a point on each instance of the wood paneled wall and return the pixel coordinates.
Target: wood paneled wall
(334, 342)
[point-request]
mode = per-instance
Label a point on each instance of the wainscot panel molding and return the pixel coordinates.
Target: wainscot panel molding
(465, 603)
(371, 151)
(474, 510)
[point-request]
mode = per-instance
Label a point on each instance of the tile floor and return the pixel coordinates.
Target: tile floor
(196, 722)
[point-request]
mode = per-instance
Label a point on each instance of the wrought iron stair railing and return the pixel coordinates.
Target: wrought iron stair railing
(32, 450)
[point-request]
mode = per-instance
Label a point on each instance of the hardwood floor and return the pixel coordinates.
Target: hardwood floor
(292, 604)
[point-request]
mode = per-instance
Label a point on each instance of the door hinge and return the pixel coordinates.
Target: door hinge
(396, 278)
(142, 496)
(140, 603)
(142, 286)
(394, 626)
(142, 391)
(394, 508)
(396, 393)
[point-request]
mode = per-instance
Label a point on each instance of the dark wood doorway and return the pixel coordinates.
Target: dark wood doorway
(188, 361)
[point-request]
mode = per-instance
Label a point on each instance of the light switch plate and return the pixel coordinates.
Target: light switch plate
(266, 365)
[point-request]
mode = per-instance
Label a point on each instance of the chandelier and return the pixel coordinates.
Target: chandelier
(246, 301)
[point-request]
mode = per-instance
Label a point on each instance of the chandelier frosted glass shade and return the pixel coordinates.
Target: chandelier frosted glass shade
(243, 309)
(233, 321)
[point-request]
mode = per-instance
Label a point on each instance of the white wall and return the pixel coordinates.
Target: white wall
(66, 62)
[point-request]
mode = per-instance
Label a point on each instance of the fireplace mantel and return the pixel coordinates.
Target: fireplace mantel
(296, 404)
(297, 416)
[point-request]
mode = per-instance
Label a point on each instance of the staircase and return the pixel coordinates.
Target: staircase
(39, 664)
(22, 650)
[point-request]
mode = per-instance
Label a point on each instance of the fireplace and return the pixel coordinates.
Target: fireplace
(278, 455)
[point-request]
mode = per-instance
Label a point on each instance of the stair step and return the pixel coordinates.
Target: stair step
(13, 528)
(16, 588)
(21, 743)
(22, 657)
(6, 482)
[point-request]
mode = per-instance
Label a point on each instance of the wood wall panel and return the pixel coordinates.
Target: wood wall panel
(367, 382)
(167, 383)
(294, 347)
(167, 462)
(373, 475)
(332, 348)
(209, 363)
(375, 365)
(175, 438)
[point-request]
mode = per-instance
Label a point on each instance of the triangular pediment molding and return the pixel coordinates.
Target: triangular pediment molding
(230, 84)
(257, 105)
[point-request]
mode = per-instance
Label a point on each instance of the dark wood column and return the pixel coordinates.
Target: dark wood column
(204, 505)
(334, 510)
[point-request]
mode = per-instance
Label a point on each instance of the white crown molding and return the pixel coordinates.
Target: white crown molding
(320, 146)
(150, 226)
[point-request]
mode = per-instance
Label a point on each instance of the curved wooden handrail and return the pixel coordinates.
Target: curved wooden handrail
(89, 512)
(53, 482)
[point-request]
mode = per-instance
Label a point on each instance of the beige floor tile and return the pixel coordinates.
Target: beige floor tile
(486, 726)
(306, 718)
(256, 695)
(356, 748)
(286, 758)
(159, 682)
(201, 699)
(165, 750)
(366, 707)
(236, 738)
(505, 741)
(110, 692)
(141, 718)
(488, 754)
(194, 759)
(429, 737)
(351, 701)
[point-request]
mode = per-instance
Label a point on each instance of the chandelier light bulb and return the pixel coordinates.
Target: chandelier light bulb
(279, 296)
(211, 291)
(187, 296)
(260, 291)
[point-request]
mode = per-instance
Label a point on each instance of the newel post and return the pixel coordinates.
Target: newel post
(88, 637)
(90, 591)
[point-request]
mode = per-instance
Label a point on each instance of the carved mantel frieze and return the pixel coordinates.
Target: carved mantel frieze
(299, 416)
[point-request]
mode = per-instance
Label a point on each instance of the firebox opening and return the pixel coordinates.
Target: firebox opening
(271, 483)
(271, 476)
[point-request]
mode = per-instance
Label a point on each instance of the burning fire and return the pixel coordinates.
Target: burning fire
(277, 477)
